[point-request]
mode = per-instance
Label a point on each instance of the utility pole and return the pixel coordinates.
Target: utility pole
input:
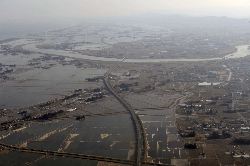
(232, 101)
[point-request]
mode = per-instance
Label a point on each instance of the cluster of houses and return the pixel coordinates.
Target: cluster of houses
(95, 95)
(13, 124)
(6, 69)
(7, 50)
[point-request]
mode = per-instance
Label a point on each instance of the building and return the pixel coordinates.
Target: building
(208, 83)
(202, 155)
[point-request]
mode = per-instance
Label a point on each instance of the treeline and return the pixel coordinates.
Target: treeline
(244, 141)
(49, 115)
(216, 135)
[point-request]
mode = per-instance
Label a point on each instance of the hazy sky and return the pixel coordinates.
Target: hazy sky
(45, 9)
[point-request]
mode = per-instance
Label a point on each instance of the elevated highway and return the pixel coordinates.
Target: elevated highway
(141, 153)
(139, 130)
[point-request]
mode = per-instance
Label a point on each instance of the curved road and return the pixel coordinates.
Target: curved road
(140, 138)
(140, 135)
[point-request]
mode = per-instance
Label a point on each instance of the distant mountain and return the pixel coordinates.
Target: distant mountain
(180, 20)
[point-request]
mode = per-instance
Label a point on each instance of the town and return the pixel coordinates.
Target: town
(126, 94)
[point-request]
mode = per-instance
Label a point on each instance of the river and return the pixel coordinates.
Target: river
(242, 51)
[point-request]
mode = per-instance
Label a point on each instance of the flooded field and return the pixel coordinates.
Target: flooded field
(105, 132)
(45, 91)
(28, 85)
(164, 142)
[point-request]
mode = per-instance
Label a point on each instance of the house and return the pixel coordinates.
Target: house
(8, 70)
(72, 109)
(204, 84)
(208, 84)
(244, 129)
(12, 65)
(221, 72)
(80, 117)
(202, 155)
(2, 73)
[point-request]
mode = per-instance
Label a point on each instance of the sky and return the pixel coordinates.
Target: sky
(49, 9)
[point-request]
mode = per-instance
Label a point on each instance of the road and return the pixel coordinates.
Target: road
(177, 100)
(71, 155)
(65, 154)
(140, 151)
(140, 137)
(140, 154)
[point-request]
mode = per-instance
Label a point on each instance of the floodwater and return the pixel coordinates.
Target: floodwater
(107, 132)
(103, 135)
(29, 86)
(40, 85)
(164, 142)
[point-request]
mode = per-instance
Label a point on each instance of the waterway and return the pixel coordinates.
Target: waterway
(242, 51)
